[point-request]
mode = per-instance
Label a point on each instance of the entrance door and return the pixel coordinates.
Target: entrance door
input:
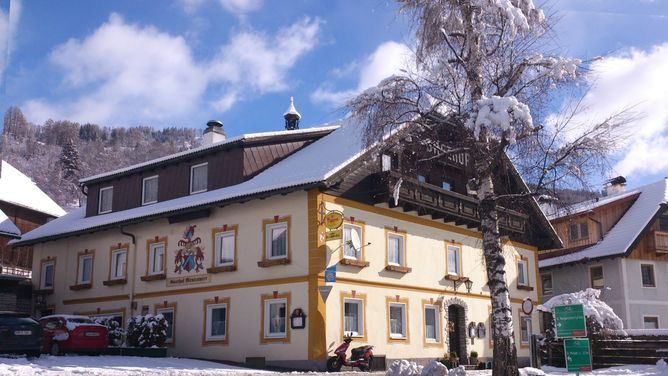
(455, 330)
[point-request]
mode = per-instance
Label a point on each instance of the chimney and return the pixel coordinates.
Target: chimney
(615, 186)
(291, 116)
(214, 132)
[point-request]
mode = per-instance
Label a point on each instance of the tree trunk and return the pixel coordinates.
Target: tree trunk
(505, 353)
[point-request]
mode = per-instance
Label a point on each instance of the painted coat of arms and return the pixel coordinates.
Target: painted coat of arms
(190, 254)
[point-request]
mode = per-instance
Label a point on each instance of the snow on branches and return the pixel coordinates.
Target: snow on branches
(502, 116)
(519, 14)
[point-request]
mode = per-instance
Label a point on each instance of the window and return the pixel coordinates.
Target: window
(353, 317)
(277, 240)
(389, 162)
(395, 249)
(398, 321)
(47, 274)
(149, 192)
(421, 178)
(156, 258)
(522, 272)
(431, 323)
(275, 321)
(597, 280)
(546, 283)
(85, 270)
(525, 330)
(105, 200)
(650, 322)
(225, 248)
(454, 260)
(447, 185)
(199, 178)
(352, 241)
(217, 320)
(169, 312)
(118, 263)
(577, 231)
(647, 274)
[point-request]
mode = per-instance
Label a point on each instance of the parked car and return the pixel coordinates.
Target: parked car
(20, 334)
(70, 333)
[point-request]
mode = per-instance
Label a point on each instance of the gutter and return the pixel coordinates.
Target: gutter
(134, 267)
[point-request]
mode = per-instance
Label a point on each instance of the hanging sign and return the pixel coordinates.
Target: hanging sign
(570, 321)
(333, 221)
(527, 306)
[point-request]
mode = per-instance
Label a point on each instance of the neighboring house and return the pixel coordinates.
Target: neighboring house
(228, 241)
(23, 207)
(618, 244)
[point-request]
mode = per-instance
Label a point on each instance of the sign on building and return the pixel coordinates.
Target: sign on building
(570, 321)
(578, 355)
(330, 274)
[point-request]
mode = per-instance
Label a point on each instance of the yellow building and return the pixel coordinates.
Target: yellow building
(230, 242)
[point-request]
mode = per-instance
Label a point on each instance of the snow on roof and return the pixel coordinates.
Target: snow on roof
(623, 234)
(16, 188)
(312, 164)
(292, 110)
(588, 205)
(244, 137)
(7, 226)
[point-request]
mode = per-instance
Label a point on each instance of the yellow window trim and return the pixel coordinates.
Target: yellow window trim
(166, 306)
(439, 316)
(362, 226)
(361, 297)
(265, 222)
(265, 297)
(207, 303)
(80, 254)
(117, 247)
(404, 301)
(399, 232)
(459, 246)
(214, 251)
(149, 243)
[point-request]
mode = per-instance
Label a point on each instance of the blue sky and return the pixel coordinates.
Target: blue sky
(183, 62)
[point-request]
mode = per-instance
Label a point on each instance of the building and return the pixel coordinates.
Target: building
(229, 242)
(619, 244)
(23, 207)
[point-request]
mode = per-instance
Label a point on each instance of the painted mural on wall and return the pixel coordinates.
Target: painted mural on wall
(190, 255)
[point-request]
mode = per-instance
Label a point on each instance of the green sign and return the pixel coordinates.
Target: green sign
(577, 354)
(570, 321)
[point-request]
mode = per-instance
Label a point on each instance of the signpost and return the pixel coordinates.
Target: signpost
(570, 321)
(577, 354)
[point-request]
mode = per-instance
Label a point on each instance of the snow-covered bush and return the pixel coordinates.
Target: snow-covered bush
(433, 368)
(147, 331)
(114, 331)
(599, 315)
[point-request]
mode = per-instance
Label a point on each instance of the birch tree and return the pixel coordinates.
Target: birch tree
(480, 68)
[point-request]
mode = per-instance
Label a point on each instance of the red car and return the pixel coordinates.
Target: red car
(69, 333)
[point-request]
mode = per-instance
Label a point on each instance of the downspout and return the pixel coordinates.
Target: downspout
(134, 267)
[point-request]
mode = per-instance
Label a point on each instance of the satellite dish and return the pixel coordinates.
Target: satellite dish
(355, 241)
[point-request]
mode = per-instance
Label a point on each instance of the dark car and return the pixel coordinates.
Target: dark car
(19, 334)
(71, 333)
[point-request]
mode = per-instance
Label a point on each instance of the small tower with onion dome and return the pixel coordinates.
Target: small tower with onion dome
(291, 116)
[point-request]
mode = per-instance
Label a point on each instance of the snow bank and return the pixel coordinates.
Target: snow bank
(594, 307)
(433, 368)
(529, 371)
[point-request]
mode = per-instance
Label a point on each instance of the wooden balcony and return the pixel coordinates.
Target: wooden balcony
(660, 240)
(450, 206)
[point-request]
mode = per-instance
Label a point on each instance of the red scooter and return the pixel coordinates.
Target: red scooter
(362, 357)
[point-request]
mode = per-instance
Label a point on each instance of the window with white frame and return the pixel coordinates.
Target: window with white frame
(277, 240)
(397, 320)
(353, 317)
(431, 323)
(352, 241)
(105, 200)
(47, 274)
(546, 283)
(395, 249)
(199, 178)
(149, 192)
(522, 272)
(156, 258)
(118, 263)
(168, 314)
(216, 323)
(225, 244)
(85, 269)
(650, 322)
(275, 318)
(525, 330)
(454, 254)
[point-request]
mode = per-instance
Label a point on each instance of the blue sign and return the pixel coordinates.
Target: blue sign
(330, 274)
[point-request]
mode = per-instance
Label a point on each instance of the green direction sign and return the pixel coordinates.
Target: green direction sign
(578, 354)
(570, 321)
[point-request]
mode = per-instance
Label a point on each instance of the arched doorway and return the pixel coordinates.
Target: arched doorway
(456, 315)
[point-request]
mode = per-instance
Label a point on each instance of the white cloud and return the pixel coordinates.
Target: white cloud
(129, 74)
(636, 78)
(388, 59)
(190, 6)
(9, 22)
(240, 7)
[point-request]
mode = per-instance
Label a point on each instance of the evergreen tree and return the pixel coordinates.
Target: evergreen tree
(70, 161)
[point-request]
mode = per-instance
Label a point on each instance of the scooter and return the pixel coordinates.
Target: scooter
(362, 357)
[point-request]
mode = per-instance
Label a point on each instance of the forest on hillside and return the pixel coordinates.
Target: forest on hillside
(56, 154)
